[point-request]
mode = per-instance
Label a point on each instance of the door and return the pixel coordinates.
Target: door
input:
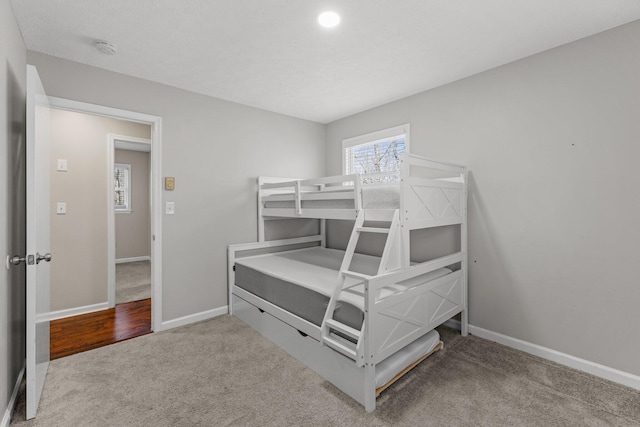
(38, 239)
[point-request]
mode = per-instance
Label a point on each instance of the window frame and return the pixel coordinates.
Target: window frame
(127, 189)
(373, 137)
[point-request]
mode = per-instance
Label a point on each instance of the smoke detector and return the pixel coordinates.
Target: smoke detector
(106, 47)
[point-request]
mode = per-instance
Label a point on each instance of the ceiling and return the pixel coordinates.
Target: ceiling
(272, 54)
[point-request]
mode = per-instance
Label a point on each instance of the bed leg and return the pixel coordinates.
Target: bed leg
(369, 388)
(464, 323)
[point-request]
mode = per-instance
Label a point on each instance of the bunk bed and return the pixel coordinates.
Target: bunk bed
(360, 321)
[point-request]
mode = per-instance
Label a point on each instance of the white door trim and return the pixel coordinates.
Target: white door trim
(129, 143)
(156, 187)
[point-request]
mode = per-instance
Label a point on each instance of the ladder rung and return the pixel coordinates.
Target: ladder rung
(345, 329)
(353, 291)
(373, 230)
(339, 347)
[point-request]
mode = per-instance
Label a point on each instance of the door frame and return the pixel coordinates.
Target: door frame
(156, 187)
(111, 214)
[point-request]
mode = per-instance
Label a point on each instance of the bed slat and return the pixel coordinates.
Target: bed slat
(407, 369)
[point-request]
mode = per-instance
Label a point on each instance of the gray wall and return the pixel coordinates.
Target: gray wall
(12, 201)
(552, 145)
(215, 149)
(81, 234)
(133, 229)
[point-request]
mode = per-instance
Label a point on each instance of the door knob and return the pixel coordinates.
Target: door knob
(46, 257)
(16, 260)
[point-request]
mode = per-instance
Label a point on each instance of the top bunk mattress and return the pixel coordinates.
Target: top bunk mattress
(374, 196)
(302, 282)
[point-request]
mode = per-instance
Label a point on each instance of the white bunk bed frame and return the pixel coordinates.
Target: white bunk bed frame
(390, 323)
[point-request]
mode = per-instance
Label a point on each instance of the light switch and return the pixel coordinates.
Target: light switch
(61, 208)
(170, 208)
(62, 165)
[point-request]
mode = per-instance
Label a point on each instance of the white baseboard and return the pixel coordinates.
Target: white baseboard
(453, 323)
(6, 419)
(602, 371)
(133, 259)
(60, 314)
(192, 318)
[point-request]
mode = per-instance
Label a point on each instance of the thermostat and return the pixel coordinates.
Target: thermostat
(169, 183)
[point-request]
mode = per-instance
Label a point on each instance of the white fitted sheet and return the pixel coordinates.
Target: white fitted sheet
(317, 269)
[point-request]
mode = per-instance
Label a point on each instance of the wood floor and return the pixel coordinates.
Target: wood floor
(88, 331)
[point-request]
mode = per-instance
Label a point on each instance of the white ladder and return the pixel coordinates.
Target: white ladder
(389, 261)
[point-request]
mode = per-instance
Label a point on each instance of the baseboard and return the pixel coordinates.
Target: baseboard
(192, 318)
(133, 259)
(6, 419)
(602, 371)
(453, 323)
(61, 314)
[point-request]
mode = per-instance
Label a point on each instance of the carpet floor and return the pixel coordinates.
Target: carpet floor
(133, 281)
(220, 372)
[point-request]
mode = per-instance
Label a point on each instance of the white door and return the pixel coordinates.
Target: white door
(38, 239)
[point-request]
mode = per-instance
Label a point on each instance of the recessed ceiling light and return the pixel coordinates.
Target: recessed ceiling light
(328, 19)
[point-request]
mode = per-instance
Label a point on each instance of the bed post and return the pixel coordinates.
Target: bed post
(261, 235)
(231, 260)
(464, 316)
(369, 362)
(323, 233)
(323, 226)
(405, 251)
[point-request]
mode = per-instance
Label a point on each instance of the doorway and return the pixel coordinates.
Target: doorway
(150, 145)
(130, 219)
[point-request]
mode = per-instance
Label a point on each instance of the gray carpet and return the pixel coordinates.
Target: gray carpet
(133, 281)
(222, 373)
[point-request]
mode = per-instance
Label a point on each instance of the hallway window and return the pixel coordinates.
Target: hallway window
(122, 187)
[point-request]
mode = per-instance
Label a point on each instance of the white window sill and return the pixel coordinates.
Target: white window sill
(124, 211)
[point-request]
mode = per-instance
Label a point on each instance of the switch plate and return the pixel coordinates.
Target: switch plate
(61, 208)
(62, 165)
(170, 208)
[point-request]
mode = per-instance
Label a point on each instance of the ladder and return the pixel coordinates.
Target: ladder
(335, 334)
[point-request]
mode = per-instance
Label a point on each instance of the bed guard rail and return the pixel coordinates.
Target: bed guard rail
(423, 162)
(409, 308)
(419, 309)
(269, 187)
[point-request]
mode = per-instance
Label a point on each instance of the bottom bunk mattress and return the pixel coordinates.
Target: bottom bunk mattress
(302, 282)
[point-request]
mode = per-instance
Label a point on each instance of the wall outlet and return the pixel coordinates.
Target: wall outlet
(61, 208)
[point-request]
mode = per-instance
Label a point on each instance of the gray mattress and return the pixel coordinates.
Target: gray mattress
(273, 278)
(302, 281)
(303, 302)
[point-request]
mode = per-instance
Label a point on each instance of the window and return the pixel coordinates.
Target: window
(122, 187)
(376, 154)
